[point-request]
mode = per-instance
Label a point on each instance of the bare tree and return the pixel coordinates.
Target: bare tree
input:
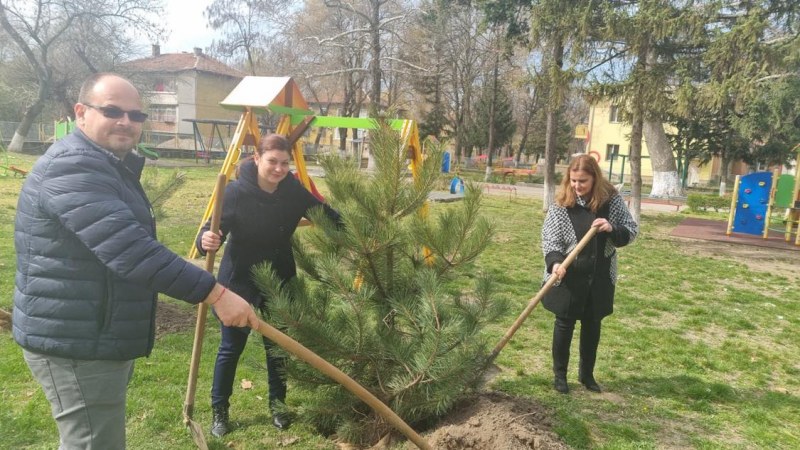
(332, 67)
(376, 21)
(249, 28)
(44, 29)
(462, 58)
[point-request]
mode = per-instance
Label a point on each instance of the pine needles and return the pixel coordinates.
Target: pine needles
(370, 302)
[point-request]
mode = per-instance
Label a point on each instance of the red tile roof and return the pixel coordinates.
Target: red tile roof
(181, 62)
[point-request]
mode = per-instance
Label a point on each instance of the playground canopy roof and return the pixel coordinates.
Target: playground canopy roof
(278, 94)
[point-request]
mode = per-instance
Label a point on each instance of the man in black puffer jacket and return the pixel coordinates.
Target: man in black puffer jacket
(89, 268)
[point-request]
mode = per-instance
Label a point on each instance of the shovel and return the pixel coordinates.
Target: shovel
(297, 349)
(539, 295)
(200, 328)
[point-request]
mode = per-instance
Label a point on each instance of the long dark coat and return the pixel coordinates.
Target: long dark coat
(588, 288)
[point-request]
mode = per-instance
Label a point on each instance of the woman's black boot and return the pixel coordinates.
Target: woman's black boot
(590, 338)
(219, 422)
(562, 338)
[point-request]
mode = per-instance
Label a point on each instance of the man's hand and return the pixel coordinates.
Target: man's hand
(232, 310)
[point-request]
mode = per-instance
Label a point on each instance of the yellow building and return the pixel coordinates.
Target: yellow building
(607, 138)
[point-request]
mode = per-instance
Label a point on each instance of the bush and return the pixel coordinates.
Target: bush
(697, 201)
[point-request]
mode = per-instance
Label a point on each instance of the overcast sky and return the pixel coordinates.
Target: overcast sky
(184, 18)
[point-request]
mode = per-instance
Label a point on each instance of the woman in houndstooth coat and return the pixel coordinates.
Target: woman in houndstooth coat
(585, 291)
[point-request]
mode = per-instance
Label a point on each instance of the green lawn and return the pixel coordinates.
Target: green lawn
(702, 351)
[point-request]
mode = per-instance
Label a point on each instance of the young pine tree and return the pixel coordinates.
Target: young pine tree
(369, 300)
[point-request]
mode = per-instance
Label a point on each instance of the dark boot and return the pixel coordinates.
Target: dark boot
(219, 422)
(562, 339)
(586, 378)
(590, 339)
(276, 377)
(280, 417)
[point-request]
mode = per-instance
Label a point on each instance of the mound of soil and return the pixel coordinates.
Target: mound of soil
(494, 421)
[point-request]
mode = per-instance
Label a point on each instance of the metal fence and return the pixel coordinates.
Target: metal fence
(45, 132)
(39, 131)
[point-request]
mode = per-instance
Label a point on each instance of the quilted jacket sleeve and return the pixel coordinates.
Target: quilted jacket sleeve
(98, 203)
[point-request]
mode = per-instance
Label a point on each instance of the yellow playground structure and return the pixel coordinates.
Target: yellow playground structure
(281, 95)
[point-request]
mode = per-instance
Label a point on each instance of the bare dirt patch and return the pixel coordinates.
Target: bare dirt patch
(5, 320)
(171, 318)
(493, 421)
(758, 259)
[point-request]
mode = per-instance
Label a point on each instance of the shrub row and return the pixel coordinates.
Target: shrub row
(696, 202)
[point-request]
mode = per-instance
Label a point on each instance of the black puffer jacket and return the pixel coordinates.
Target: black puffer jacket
(88, 262)
(258, 226)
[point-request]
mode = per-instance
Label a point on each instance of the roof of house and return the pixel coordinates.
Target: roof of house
(181, 62)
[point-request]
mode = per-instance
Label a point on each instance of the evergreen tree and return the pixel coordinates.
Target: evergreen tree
(369, 300)
(504, 124)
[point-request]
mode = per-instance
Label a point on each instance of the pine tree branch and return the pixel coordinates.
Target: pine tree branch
(777, 75)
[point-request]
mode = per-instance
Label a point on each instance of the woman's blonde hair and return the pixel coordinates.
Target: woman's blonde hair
(601, 192)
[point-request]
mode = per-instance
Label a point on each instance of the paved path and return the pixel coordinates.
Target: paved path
(537, 191)
(522, 190)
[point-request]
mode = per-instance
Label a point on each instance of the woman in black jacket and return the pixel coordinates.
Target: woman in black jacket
(585, 292)
(261, 210)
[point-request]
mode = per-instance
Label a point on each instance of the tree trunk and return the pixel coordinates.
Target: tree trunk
(725, 162)
(666, 180)
(375, 64)
(343, 142)
(635, 159)
(491, 121)
(553, 107)
(21, 133)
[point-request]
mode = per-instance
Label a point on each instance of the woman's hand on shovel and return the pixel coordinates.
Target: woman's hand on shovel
(232, 310)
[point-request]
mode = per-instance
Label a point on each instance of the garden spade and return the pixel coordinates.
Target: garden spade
(539, 295)
(200, 328)
(315, 361)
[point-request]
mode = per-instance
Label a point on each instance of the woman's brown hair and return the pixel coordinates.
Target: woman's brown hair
(602, 190)
(272, 142)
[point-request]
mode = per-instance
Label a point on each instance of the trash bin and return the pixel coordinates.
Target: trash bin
(446, 162)
(457, 186)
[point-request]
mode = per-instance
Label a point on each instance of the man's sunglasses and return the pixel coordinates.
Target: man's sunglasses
(112, 112)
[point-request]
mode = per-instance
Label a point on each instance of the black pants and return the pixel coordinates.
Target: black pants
(562, 339)
(230, 349)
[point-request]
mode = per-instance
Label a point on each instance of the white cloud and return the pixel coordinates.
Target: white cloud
(186, 26)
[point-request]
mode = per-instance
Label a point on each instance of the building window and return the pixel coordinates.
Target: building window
(612, 151)
(163, 113)
(164, 85)
(614, 116)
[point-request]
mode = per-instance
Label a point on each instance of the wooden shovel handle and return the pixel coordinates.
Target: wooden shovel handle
(297, 349)
(539, 295)
(202, 308)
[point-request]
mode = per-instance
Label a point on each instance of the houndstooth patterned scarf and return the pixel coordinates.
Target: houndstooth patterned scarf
(559, 236)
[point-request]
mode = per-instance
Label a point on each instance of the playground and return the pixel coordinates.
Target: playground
(701, 350)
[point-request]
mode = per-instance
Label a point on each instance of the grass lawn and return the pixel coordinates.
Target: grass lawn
(701, 352)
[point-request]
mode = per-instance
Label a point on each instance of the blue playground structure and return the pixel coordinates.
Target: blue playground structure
(757, 194)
